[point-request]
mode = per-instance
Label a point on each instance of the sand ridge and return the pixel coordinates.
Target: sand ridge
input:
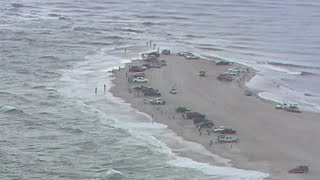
(271, 141)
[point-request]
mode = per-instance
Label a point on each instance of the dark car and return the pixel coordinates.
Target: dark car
(300, 169)
(182, 110)
(192, 115)
(205, 124)
(228, 131)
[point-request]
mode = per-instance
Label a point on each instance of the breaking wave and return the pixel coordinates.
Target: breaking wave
(292, 65)
(131, 30)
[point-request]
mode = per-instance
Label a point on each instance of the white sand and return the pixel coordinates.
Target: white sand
(271, 141)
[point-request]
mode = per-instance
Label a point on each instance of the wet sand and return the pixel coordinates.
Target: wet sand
(272, 141)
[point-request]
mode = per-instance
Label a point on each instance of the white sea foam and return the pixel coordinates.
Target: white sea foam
(228, 173)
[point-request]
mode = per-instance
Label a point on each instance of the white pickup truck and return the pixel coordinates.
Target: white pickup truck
(157, 101)
(140, 80)
(218, 129)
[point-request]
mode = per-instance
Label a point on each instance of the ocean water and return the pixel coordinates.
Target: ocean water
(54, 53)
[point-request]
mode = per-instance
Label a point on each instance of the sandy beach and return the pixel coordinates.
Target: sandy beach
(271, 141)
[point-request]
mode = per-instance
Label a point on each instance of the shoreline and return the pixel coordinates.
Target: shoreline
(238, 156)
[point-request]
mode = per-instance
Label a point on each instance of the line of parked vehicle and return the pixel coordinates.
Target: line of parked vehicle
(225, 134)
(138, 76)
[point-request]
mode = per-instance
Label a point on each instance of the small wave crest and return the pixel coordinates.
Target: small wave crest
(11, 110)
(290, 69)
(113, 174)
(131, 30)
(113, 37)
(38, 87)
(148, 16)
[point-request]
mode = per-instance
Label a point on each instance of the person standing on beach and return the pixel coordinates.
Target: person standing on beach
(104, 88)
(152, 119)
(96, 91)
(125, 50)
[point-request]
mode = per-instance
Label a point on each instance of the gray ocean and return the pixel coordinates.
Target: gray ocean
(53, 53)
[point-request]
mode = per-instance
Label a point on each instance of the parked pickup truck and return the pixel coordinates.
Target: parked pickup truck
(157, 101)
(227, 139)
(140, 80)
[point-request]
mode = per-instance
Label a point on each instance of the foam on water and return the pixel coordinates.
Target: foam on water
(227, 173)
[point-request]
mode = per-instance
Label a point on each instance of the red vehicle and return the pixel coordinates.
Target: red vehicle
(223, 77)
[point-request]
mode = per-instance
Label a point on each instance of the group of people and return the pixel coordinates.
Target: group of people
(104, 88)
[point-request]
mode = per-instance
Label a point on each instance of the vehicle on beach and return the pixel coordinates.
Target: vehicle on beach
(140, 80)
(163, 62)
(151, 92)
(155, 65)
(188, 55)
(157, 101)
(223, 62)
(147, 91)
(227, 139)
(202, 73)
(149, 54)
(182, 110)
(140, 88)
(227, 131)
(138, 74)
(203, 123)
(218, 129)
(224, 77)
(182, 53)
(231, 73)
(173, 91)
(192, 115)
(151, 59)
(292, 107)
(279, 106)
(165, 52)
(248, 93)
(299, 169)
(137, 68)
(148, 66)
(191, 57)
